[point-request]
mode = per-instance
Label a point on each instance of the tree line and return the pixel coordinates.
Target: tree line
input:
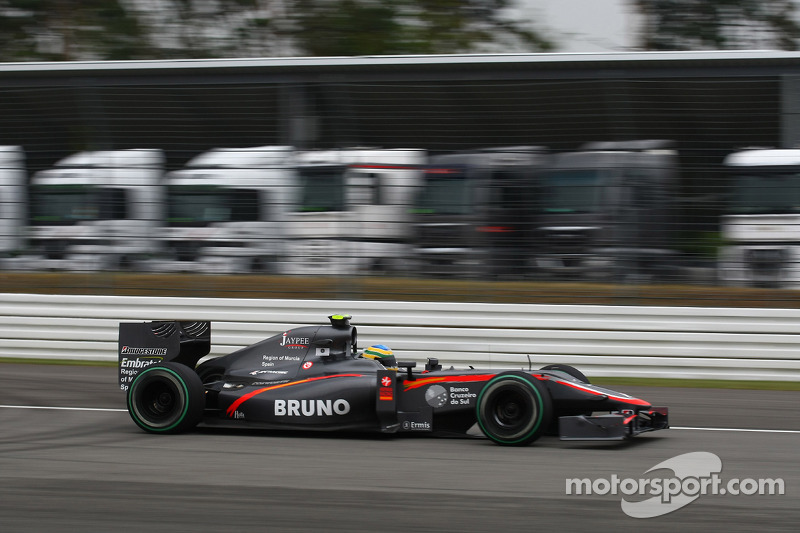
(68, 30)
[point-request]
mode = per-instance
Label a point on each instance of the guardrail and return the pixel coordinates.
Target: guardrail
(716, 343)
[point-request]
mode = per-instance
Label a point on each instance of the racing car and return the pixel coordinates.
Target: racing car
(315, 378)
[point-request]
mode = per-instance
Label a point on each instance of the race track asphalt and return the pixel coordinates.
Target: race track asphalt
(87, 467)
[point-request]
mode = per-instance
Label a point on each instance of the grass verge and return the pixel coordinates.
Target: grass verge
(391, 288)
(698, 383)
(62, 362)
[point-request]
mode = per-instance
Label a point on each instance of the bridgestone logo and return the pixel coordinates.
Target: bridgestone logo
(127, 350)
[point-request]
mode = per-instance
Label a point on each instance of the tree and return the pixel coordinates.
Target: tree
(365, 27)
(197, 29)
(237, 28)
(718, 24)
(453, 26)
(54, 30)
(345, 27)
(59, 30)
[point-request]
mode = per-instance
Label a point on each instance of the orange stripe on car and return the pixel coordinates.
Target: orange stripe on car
(239, 401)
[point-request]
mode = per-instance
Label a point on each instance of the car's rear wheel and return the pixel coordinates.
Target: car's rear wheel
(514, 409)
(166, 398)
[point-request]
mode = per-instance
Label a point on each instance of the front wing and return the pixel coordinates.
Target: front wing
(613, 426)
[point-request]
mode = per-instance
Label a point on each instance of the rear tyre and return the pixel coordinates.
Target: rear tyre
(570, 370)
(166, 398)
(514, 409)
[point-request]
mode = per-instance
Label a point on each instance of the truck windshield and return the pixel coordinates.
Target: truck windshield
(766, 193)
(572, 191)
(444, 193)
(200, 206)
(65, 205)
(322, 189)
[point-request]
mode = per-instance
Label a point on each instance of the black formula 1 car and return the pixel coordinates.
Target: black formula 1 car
(313, 377)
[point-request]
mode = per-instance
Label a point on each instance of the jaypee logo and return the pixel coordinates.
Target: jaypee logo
(694, 474)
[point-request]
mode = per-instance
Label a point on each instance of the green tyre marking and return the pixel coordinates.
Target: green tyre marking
(147, 427)
(539, 408)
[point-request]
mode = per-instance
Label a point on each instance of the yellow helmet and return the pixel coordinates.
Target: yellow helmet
(382, 354)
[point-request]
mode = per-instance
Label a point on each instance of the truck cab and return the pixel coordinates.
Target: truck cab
(13, 199)
(350, 211)
(608, 210)
(97, 210)
(761, 224)
(475, 213)
(225, 211)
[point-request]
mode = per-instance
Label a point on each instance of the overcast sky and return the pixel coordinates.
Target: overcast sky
(584, 25)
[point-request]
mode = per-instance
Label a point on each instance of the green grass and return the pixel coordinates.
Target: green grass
(391, 288)
(66, 362)
(699, 383)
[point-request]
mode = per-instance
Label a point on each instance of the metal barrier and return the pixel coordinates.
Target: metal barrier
(716, 343)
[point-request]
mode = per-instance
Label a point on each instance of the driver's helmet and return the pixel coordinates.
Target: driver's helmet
(382, 354)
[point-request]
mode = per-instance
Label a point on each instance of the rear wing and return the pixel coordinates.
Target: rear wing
(142, 344)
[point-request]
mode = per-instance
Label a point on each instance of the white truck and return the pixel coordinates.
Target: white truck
(94, 210)
(351, 211)
(13, 199)
(761, 224)
(225, 210)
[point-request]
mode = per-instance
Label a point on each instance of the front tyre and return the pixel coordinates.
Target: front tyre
(166, 398)
(514, 409)
(569, 370)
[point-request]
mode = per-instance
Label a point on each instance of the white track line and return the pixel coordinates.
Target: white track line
(741, 430)
(60, 408)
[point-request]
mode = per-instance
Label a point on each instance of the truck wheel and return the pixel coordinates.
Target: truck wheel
(166, 398)
(569, 370)
(514, 409)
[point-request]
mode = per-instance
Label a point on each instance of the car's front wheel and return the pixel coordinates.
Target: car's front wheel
(514, 409)
(569, 370)
(166, 398)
